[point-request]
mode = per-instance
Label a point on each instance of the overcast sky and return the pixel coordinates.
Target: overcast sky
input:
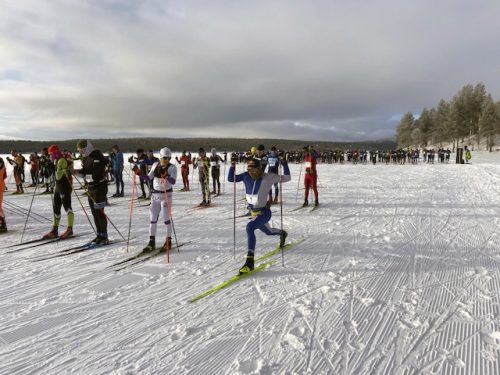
(312, 70)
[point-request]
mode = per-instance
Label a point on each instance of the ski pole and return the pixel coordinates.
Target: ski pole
(224, 181)
(81, 204)
(298, 182)
(28, 215)
(192, 177)
(23, 211)
(93, 200)
(132, 196)
(281, 212)
(234, 212)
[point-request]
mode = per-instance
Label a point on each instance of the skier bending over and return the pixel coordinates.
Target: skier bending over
(162, 176)
(257, 186)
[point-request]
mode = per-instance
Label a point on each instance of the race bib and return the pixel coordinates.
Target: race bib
(200, 163)
(308, 164)
(252, 199)
(213, 163)
(272, 161)
(88, 177)
(184, 162)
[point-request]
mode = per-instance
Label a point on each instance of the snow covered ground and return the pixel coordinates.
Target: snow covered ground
(399, 273)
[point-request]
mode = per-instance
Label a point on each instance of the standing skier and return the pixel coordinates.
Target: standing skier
(162, 175)
(150, 160)
(260, 154)
(203, 164)
(18, 164)
(3, 176)
(184, 161)
(117, 164)
(47, 171)
(272, 167)
(257, 185)
(215, 161)
(94, 169)
(62, 194)
(34, 168)
(140, 161)
(310, 176)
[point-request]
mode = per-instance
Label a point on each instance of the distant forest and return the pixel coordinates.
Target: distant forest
(471, 113)
(193, 144)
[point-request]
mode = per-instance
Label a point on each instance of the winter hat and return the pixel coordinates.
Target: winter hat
(201, 149)
(52, 148)
(261, 148)
(85, 147)
(54, 152)
(165, 152)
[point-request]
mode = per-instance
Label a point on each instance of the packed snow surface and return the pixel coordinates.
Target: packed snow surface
(399, 273)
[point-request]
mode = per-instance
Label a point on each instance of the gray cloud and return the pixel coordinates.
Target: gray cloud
(327, 70)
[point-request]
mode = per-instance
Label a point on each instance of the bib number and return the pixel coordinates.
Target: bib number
(252, 199)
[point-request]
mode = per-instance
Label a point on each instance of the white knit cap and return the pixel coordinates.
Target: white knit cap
(165, 152)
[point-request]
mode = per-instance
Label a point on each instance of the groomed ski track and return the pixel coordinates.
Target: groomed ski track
(399, 273)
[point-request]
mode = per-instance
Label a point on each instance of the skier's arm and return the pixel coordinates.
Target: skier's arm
(171, 176)
(286, 172)
(230, 176)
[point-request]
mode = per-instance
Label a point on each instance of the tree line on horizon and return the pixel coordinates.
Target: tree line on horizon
(193, 144)
(471, 113)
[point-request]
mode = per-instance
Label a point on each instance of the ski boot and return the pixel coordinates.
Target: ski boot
(316, 203)
(248, 266)
(275, 201)
(167, 246)
(306, 203)
(203, 203)
(3, 226)
(101, 239)
(283, 236)
(52, 234)
(67, 233)
(150, 246)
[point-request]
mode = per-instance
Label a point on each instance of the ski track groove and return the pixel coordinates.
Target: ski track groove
(417, 267)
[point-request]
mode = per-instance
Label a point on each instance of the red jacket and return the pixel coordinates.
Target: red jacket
(310, 161)
(184, 161)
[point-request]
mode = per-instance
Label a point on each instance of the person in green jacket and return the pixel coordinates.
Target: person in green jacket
(62, 194)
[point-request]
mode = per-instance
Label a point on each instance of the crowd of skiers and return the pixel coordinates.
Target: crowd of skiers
(265, 171)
